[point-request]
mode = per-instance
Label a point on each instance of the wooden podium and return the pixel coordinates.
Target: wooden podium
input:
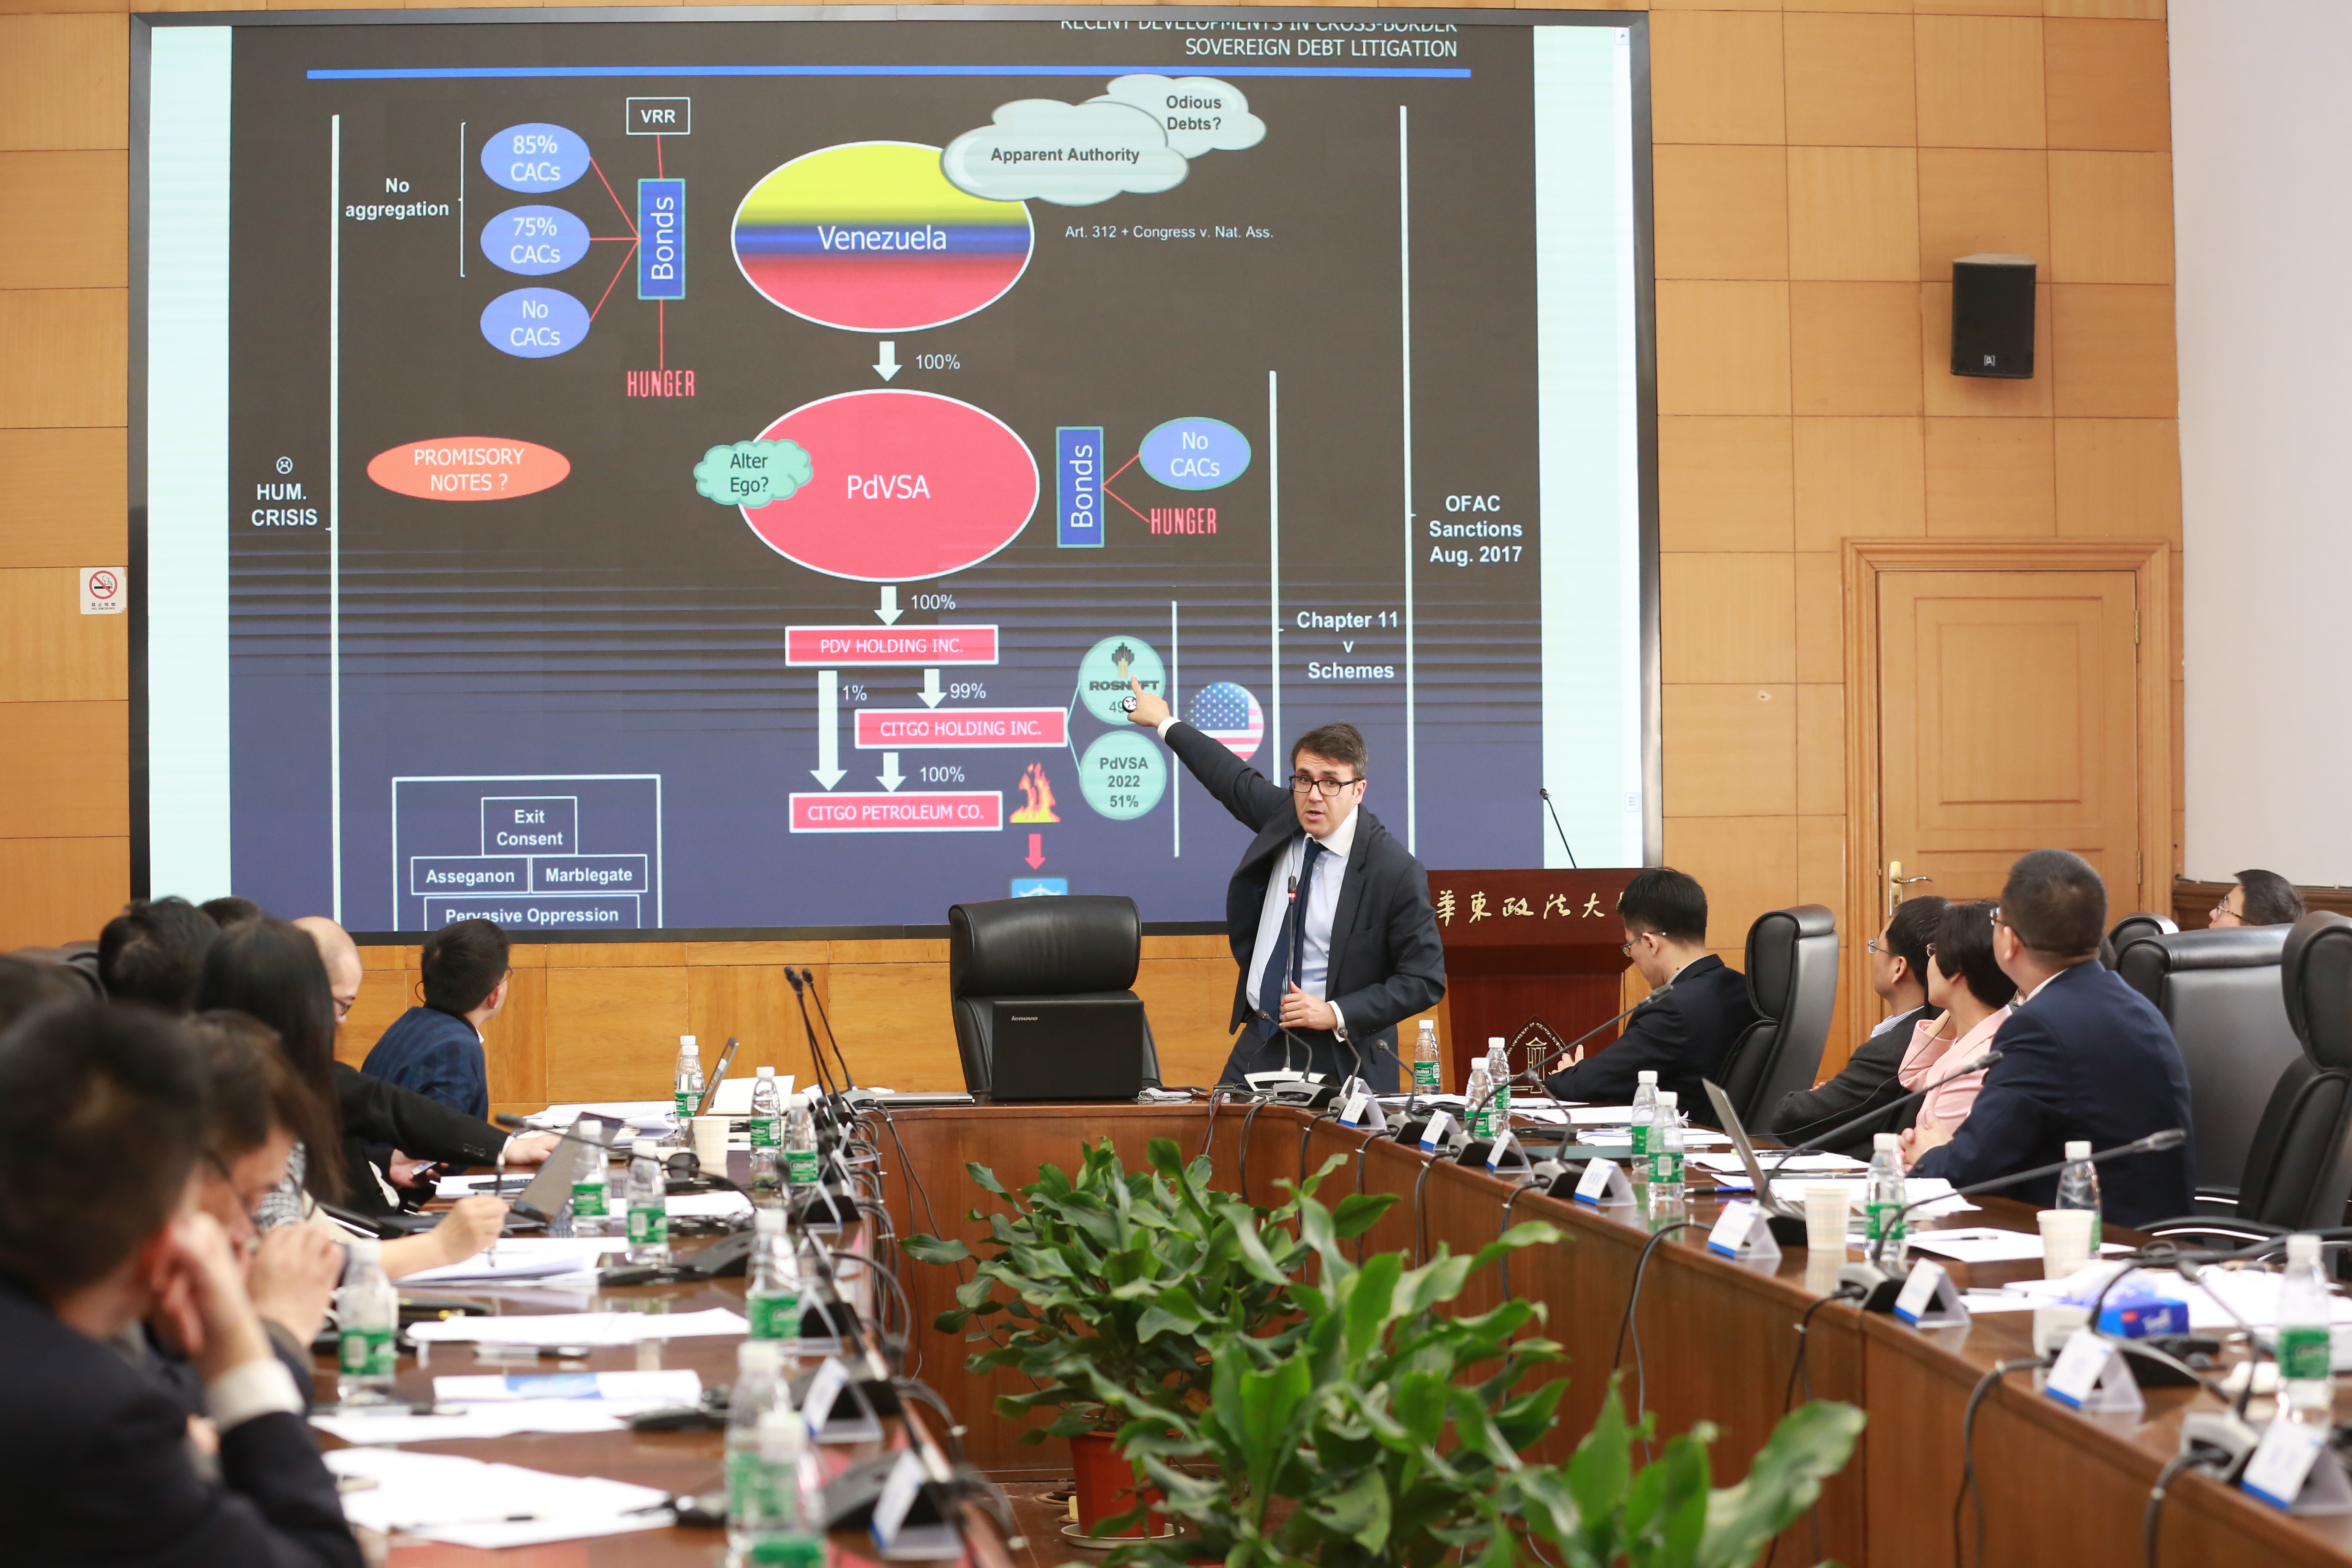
(1523, 945)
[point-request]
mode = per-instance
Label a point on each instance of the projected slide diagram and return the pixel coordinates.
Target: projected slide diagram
(532, 854)
(769, 455)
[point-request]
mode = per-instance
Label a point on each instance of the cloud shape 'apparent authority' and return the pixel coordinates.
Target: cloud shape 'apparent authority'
(1072, 154)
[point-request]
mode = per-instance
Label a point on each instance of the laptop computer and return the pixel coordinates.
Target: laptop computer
(1754, 1167)
(1066, 1049)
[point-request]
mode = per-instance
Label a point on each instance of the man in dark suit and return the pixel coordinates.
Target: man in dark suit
(101, 1120)
(1697, 1007)
(2082, 1057)
(1898, 968)
(1328, 914)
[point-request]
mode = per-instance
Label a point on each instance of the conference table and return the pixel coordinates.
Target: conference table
(1715, 1341)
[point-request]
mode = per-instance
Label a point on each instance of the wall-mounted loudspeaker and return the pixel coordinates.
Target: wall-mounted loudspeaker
(1992, 316)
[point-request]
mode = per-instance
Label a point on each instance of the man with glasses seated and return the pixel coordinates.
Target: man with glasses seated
(1329, 913)
(437, 1049)
(1697, 1003)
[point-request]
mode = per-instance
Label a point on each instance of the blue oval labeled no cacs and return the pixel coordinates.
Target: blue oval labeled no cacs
(535, 241)
(535, 323)
(1195, 454)
(535, 157)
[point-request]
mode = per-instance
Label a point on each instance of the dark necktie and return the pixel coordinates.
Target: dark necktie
(1288, 949)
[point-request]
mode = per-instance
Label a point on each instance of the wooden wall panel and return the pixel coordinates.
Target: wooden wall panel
(611, 1031)
(64, 500)
(1851, 143)
(50, 651)
(66, 775)
(755, 1004)
(60, 885)
(514, 1044)
(63, 354)
(1189, 1000)
(72, 205)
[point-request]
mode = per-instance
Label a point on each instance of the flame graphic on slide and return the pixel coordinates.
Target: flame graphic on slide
(1037, 797)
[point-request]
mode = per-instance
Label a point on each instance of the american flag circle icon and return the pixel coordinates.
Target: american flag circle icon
(1227, 712)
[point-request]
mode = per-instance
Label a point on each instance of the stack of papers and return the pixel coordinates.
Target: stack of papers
(541, 1329)
(646, 1115)
(467, 1502)
(526, 1257)
(1796, 1164)
(501, 1407)
(721, 1204)
(1984, 1245)
(1791, 1189)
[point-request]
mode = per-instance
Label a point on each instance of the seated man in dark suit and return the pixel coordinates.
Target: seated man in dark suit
(437, 1049)
(1697, 1004)
(101, 1120)
(1899, 967)
(2082, 1057)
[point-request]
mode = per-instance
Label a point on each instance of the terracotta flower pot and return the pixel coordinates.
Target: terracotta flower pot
(1107, 1485)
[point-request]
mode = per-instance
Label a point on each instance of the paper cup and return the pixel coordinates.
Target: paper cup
(2066, 1241)
(710, 1143)
(1826, 1212)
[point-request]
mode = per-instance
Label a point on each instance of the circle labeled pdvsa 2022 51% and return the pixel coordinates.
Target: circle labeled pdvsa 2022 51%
(1123, 774)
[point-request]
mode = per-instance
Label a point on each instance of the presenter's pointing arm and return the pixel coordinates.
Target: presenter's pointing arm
(1250, 795)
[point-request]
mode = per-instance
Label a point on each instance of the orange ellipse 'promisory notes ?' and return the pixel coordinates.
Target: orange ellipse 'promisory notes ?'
(468, 468)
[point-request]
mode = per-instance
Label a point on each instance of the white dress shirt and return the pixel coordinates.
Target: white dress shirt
(1322, 908)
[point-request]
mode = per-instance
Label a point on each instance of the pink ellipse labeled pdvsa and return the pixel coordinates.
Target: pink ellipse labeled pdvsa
(906, 486)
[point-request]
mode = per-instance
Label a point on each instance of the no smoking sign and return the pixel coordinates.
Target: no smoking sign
(103, 591)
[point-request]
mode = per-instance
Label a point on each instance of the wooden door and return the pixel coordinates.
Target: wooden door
(2009, 718)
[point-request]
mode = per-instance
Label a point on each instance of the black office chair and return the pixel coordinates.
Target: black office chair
(2129, 930)
(1792, 967)
(2223, 994)
(2299, 1172)
(77, 962)
(1013, 950)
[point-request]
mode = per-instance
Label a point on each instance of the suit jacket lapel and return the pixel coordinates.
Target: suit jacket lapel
(1351, 899)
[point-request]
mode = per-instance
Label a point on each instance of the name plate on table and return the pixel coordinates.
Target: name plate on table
(1929, 1300)
(1501, 1152)
(2090, 1376)
(908, 1524)
(1604, 1181)
(1363, 1109)
(1743, 1232)
(822, 1408)
(1439, 1133)
(2292, 1469)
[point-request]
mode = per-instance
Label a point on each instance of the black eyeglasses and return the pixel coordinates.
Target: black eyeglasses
(1327, 788)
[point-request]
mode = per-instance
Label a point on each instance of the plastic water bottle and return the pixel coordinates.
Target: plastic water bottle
(648, 1204)
(782, 1521)
(1882, 1202)
(766, 1111)
(1424, 1059)
(688, 1084)
(2078, 1187)
(2306, 1382)
(1481, 1114)
(368, 1314)
(1645, 1117)
(1498, 1081)
(590, 1199)
(759, 1386)
(800, 1145)
(1666, 1151)
(773, 1297)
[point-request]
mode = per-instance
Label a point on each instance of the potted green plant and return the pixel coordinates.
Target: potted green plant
(1112, 1281)
(1388, 1433)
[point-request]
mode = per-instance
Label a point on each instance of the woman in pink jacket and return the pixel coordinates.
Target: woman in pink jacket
(1973, 994)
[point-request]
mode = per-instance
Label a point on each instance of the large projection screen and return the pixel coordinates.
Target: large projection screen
(718, 471)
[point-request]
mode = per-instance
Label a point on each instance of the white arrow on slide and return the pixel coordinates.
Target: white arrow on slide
(889, 611)
(887, 366)
(828, 769)
(932, 695)
(890, 776)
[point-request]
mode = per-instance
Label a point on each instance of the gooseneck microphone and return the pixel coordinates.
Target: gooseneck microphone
(1843, 1128)
(2154, 1144)
(1556, 827)
(1537, 1074)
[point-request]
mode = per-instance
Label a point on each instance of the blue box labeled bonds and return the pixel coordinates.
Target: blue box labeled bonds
(589, 874)
(531, 825)
(430, 874)
(661, 239)
(1079, 520)
(616, 911)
